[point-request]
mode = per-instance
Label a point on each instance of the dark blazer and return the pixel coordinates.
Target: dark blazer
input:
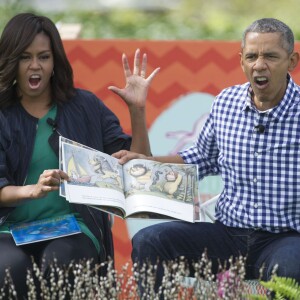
(84, 119)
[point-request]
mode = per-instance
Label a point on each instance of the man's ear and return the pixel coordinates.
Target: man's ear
(294, 59)
(241, 60)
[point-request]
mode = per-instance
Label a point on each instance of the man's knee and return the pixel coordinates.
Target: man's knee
(151, 244)
(285, 260)
(142, 244)
(285, 267)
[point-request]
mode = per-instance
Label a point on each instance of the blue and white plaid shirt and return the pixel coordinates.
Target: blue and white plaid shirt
(260, 170)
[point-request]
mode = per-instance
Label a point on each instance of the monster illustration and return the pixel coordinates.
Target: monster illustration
(142, 177)
(105, 171)
(173, 181)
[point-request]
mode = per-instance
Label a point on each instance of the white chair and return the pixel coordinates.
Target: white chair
(207, 209)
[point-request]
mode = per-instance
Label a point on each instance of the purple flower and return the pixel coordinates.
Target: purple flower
(227, 281)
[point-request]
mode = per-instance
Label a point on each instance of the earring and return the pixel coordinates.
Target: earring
(52, 73)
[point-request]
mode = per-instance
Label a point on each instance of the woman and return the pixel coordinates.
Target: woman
(39, 102)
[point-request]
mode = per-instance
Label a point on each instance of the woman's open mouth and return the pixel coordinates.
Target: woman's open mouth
(34, 81)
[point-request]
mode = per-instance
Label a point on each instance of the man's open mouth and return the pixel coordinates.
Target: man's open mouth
(261, 80)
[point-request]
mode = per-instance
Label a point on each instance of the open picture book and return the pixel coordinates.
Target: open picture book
(138, 189)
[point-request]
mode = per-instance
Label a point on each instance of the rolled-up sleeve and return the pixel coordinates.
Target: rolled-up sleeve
(204, 152)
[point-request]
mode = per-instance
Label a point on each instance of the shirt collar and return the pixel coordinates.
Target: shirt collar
(283, 105)
(247, 96)
(287, 100)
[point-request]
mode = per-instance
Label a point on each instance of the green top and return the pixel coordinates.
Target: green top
(53, 205)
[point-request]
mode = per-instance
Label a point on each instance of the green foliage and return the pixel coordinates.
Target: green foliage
(8, 9)
(283, 288)
(191, 19)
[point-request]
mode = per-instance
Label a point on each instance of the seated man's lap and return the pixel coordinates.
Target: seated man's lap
(171, 240)
(168, 241)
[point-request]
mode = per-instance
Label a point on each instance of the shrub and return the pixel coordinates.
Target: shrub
(83, 281)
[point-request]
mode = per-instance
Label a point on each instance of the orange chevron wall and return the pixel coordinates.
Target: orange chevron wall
(186, 66)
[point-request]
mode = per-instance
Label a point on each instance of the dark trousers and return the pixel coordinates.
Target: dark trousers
(18, 259)
(171, 240)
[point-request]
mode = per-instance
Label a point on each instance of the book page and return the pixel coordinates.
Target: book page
(62, 191)
(165, 189)
(117, 211)
(95, 178)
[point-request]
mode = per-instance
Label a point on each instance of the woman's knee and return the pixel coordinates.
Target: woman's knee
(13, 257)
(15, 265)
(68, 249)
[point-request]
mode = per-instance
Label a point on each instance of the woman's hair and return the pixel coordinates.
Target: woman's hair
(16, 37)
(267, 25)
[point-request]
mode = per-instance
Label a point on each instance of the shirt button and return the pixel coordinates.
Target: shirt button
(255, 205)
(254, 179)
(256, 154)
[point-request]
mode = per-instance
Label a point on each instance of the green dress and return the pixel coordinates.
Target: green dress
(52, 205)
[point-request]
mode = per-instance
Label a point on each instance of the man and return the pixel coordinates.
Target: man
(252, 139)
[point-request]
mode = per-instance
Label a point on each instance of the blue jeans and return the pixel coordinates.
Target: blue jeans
(168, 241)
